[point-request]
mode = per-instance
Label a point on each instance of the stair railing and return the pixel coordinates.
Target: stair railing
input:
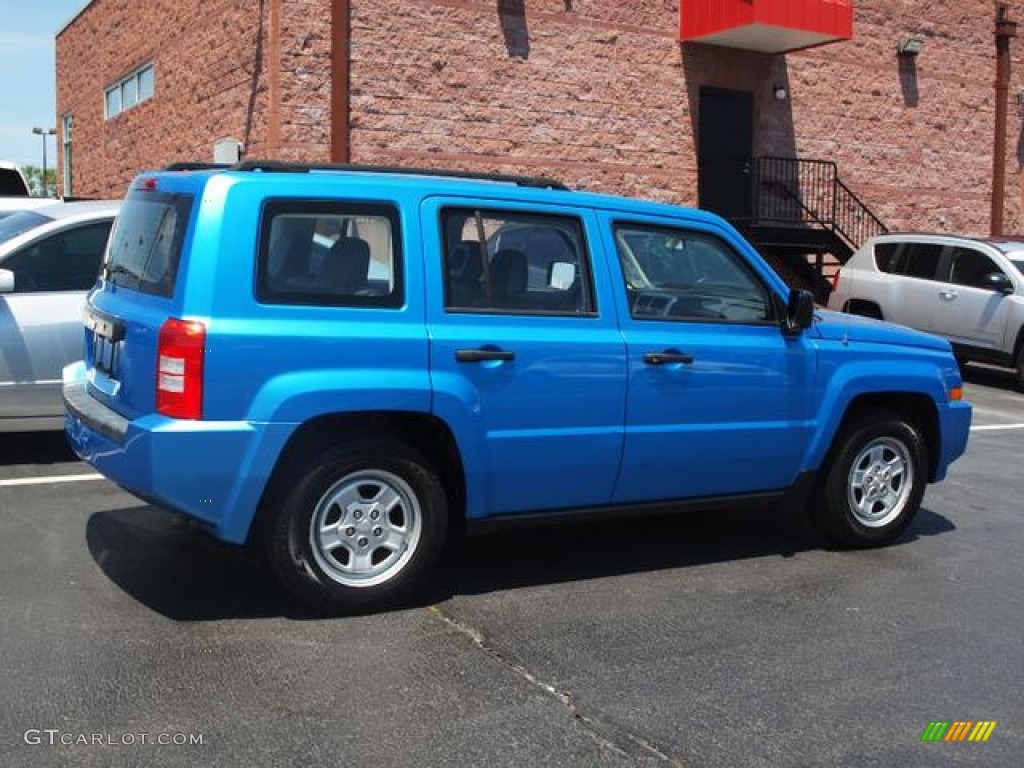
(790, 191)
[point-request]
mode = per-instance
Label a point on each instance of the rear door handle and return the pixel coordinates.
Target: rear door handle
(667, 357)
(948, 295)
(483, 355)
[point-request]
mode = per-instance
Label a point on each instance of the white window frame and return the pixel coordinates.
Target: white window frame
(133, 80)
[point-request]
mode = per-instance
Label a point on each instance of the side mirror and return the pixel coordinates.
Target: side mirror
(996, 281)
(799, 311)
(6, 281)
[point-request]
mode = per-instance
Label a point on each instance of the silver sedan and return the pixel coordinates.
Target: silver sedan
(49, 258)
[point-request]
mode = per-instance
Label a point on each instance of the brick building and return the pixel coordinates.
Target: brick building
(607, 95)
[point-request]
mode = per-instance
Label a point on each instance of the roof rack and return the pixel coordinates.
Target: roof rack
(275, 166)
(196, 166)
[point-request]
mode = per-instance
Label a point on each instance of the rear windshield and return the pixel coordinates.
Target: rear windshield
(11, 183)
(145, 245)
(19, 222)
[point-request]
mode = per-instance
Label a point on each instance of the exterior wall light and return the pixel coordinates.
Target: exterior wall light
(909, 46)
(780, 92)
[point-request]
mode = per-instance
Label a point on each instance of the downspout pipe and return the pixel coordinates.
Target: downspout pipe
(341, 33)
(1005, 31)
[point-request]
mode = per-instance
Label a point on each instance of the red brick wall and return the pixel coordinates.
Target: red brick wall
(210, 82)
(606, 98)
(596, 92)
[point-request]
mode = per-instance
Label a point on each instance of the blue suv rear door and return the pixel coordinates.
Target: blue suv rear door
(528, 364)
(720, 400)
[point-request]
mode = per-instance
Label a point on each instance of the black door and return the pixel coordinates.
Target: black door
(724, 138)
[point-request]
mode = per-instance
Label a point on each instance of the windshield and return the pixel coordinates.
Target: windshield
(18, 222)
(146, 242)
(1019, 264)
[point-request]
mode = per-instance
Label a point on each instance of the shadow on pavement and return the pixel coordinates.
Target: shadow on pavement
(35, 448)
(183, 574)
(988, 376)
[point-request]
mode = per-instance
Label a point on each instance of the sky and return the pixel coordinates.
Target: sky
(27, 77)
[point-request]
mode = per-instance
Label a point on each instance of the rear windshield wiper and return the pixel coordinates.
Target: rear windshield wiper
(120, 269)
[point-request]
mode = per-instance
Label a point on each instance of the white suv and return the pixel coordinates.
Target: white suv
(969, 290)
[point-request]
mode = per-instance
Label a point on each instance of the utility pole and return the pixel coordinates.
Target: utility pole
(44, 132)
(1005, 30)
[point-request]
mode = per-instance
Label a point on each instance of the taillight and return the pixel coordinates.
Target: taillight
(835, 281)
(179, 369)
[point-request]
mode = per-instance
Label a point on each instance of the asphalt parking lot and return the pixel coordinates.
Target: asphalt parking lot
(725, 639)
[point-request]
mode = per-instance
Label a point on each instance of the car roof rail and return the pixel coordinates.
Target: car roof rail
(196, 166)
(276, 166)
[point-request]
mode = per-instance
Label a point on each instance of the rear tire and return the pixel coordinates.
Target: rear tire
(873, 482)
(359, 528)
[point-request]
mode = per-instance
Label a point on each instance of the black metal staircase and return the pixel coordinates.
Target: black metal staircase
(801, 208)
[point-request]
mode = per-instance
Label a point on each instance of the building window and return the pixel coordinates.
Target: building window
(129, 91)
(68, 123)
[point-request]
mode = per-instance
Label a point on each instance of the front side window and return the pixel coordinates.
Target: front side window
(63, 261)
(970, 267)
(676, 274)
(923, 260)
(510, 261)
(328, 253)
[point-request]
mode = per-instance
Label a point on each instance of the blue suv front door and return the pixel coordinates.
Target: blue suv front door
(719, 397)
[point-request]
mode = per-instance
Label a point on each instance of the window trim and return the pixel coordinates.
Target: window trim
(135, 76)
(273, 207)
(587, 288)
(775, 302)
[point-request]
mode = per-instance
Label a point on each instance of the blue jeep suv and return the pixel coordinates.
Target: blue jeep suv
(342, 364)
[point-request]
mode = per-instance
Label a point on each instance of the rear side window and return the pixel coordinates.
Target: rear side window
(329, 253)
(145, 245)
(511, 261)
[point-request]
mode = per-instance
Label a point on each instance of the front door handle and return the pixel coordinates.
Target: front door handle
(948, 295)
(667, 357)
(483, 355)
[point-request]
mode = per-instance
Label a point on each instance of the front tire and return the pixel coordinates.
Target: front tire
(360, 528)
(873, 483)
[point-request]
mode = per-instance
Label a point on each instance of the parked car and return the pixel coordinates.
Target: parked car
(12, 205)
(49, 258)
(477, 351)
(12, 180)
(968, 290)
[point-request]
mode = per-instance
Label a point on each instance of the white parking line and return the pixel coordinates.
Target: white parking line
(48, 480)
(995, 427)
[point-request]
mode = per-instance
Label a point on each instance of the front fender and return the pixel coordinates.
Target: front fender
(879, 375)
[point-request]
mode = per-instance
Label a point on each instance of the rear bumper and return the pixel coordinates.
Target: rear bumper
(211, 471)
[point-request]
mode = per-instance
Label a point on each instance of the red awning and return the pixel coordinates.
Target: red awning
(771, 26)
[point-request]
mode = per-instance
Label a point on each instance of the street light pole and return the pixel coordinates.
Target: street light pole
(44, 132)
